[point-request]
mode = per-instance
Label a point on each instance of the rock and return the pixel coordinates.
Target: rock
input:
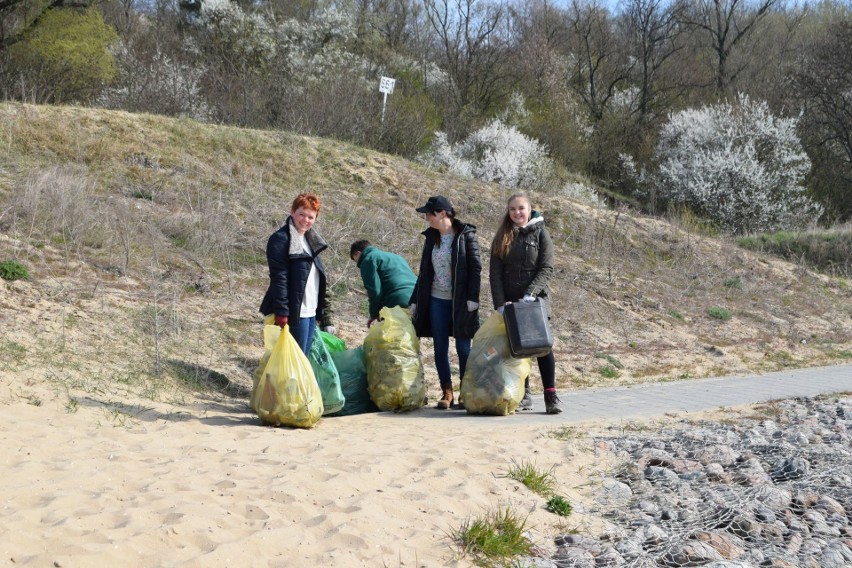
(610, 558)
(836, 555)
(614, 490)
(650, 536)
(745, 527)
(629, 548)
(773, 497)
(690, 554)
(830, 506)
(790, 468)
(804, 500)
(656, 474)
(723, 455)
(574, 557)
(728, 546)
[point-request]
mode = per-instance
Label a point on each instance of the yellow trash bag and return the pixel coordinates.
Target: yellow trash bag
(493, 380)
(394, 370)
(270, 337)
(285, 392)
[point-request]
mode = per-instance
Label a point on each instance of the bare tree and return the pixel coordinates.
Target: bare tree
(600, 63)
(471, 48)
(540, 42)
(823, 85)
(389, 20)
(653, 29)
(726, 24)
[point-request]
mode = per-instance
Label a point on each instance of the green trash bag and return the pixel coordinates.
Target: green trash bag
(327, 376)
(332, 342)
(353, 382)
(493, 380)
(394, 370)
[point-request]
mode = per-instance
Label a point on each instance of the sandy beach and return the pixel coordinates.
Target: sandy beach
(204, 484)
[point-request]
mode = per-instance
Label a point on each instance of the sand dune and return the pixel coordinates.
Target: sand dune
(206, 485)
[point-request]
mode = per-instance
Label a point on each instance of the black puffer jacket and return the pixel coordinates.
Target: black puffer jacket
(466, 272)
(528, 265)
(289, 267)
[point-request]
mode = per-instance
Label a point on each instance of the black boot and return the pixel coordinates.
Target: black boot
(552, 404)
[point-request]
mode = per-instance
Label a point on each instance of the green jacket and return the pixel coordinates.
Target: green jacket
(387, 277)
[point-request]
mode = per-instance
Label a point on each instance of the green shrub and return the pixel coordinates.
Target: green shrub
(609, 372)
(826, 250)
(734, 282)
(719, 313)
(540, 482)
(610, 359)
(676, 315)
(69, 52)
(559, 506)
(493, 538)
(13, 270)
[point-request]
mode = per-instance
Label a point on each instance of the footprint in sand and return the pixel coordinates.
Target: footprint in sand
(255, 514)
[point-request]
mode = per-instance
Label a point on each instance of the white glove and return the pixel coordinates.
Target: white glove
(528, 299)
(500, 309)
(329, 329)
(413, 310)
(472, 306)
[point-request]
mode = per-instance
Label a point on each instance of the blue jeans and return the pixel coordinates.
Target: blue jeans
(304, 333)
(441, 314)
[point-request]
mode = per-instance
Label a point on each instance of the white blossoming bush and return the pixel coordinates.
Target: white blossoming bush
(497, 153)
(247, 36)
(739, 166)
(158, 83)
(317, 51)
(582, 192)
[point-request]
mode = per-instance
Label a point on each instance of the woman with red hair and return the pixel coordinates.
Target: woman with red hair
(297, 281)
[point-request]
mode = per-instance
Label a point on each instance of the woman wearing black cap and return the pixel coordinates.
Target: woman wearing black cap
(445, 302)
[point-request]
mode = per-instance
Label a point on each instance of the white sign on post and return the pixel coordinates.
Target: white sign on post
(386, 87)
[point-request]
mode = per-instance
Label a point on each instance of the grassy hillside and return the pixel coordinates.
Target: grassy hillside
(144, 239)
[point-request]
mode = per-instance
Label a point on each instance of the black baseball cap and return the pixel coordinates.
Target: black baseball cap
(436, 203)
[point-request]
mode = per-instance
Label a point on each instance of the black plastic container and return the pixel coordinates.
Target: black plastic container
(528, 329)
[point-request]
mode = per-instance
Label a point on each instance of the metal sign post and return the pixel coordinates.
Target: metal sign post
(386, 87)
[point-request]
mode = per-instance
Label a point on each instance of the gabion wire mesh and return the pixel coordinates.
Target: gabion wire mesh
(771, 490)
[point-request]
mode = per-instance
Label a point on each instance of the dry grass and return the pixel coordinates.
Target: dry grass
(144, 239)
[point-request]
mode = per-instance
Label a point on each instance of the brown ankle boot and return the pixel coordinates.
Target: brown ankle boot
(446, 398)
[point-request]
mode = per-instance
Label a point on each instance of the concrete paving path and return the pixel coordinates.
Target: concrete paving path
(656, 399)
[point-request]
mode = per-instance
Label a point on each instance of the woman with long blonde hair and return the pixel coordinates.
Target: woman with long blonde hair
(521, 268)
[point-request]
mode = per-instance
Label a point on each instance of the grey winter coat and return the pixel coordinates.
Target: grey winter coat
(528, 265)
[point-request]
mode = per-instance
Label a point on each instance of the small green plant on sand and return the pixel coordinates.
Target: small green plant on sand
(537, 481)
(493, 538)
(13, 270)
(558, 505)
(565, 433)
(609, 372)
(610, 359)
(719, 313)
